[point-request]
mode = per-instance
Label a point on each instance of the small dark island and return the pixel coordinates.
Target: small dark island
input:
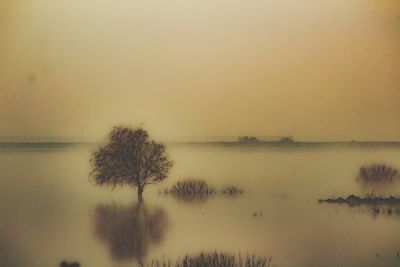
(353, 200)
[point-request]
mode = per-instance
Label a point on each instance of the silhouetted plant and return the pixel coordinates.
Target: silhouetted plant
(196, 190)
(378, 173)
(130, 230)
(192, 187)
(215, 259)
(130, 158)
(231, 190)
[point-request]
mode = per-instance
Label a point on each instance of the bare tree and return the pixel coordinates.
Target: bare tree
(130, 158)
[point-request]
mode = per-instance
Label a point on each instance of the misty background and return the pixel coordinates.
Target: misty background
(317, 70)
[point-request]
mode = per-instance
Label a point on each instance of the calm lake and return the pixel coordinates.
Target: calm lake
(50, 211)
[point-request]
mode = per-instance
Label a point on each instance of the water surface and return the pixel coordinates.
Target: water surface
(50, 211)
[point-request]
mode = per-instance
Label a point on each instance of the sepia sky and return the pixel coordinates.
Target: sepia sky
(317, 70)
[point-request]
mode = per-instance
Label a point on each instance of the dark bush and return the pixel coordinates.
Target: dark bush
(192, 187)
(231, 190)
(198, 190)
(378, 173)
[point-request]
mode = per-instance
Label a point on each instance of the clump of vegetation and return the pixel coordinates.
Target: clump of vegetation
(191, 190)
(198, 190)
(215, 259)
(286, 140)
(378, 173)
(231, 190)
(248, 139)
(192, 187)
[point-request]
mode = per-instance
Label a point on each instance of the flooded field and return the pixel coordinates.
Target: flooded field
(51, 211)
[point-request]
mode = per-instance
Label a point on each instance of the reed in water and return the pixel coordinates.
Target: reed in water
(378, 173)
(215, 259)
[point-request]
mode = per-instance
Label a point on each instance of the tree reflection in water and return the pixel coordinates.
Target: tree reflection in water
(130, 230)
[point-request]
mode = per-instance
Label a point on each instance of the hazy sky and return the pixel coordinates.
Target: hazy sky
(317, 70)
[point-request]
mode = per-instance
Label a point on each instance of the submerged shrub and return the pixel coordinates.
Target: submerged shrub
(191, 190)
(192, 187)
(215, 259)
(378, 173)
(231, 190)
(198, 190)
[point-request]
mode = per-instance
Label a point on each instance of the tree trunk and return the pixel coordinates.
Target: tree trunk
(140, 193)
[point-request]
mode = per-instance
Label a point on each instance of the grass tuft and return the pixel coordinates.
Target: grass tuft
(231, 190)
(378, 173)
(215, 259)
(198, 190)
(192, 187)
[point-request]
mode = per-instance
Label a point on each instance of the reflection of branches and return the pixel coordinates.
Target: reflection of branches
(385, 210)
(130, 230)
(192, 198)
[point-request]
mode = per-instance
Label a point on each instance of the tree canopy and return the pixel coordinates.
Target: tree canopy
(130, 158)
